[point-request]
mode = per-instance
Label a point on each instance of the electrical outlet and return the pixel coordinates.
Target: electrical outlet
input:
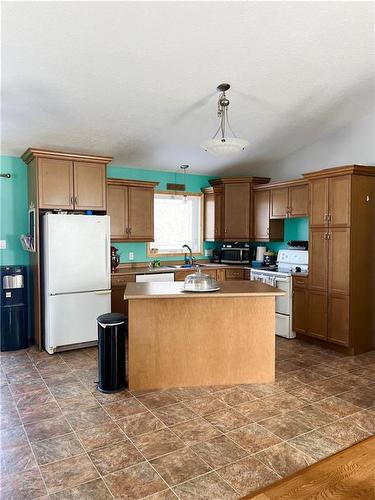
(131, 255)
(3, 244)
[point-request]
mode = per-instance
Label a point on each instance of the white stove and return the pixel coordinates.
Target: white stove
(288, 262)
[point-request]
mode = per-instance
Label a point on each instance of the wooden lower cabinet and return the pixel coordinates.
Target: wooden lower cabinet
(317, 317)
(300, 305)
(234, 274)
(220, 275)
(118, 304)
(338, 320)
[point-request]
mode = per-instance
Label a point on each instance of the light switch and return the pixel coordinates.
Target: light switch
(131, 255)
(3, 244)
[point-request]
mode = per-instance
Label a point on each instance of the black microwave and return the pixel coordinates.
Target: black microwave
(235, 253)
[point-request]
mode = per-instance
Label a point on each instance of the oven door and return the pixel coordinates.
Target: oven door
(283, 302)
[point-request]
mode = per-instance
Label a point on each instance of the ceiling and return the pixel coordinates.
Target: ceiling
(137, 80)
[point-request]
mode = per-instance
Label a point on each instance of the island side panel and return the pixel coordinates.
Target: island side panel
(176, 342)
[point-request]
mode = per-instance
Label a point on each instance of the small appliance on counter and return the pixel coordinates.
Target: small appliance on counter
(200, 282)
(236, 253)
(298, 245)
(115, 258)
(269, 259)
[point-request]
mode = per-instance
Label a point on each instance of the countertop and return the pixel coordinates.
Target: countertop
(175, 290)
(120, 271)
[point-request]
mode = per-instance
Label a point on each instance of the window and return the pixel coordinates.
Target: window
(178, 221)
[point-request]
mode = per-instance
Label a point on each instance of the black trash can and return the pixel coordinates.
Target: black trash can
(112, 332)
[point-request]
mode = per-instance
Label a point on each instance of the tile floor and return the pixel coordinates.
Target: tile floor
(62, 439)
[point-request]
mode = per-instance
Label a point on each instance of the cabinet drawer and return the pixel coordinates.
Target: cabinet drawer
(234, 274)
(121, 280)
(300, 281)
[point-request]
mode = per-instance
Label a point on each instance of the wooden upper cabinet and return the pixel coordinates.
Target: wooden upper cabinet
(237, 211)
(219, 219)
(117, 209)
(298, 200)
(339, 261)
(55, 183)
(69, 181)
(264, 228)
(339, 199)
(89, 186)
(131, 209)
(318, 202)
(261, 215)
(209, 214)
(279, 203)
(141, 213)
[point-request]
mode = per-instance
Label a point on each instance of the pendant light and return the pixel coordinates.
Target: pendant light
(222, 145)
(184, 168)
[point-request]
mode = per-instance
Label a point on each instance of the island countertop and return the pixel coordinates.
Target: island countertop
(175, 289)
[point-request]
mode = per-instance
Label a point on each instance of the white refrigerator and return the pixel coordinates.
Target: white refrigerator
(76, 278)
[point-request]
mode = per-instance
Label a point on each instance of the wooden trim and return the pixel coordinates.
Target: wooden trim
(239, 180)
(345, 474)
(281, 184)
(344, 170)
(207, 190)
(31, 153)
(131, 183)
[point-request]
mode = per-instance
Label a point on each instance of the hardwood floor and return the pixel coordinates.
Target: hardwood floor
(349, 475)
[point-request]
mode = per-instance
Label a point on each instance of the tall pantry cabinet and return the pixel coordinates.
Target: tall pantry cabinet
(341, 294)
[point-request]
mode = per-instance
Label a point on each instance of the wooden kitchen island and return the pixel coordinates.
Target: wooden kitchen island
(179, 339)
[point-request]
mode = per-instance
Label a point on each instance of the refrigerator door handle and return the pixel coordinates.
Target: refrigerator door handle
(103, 292)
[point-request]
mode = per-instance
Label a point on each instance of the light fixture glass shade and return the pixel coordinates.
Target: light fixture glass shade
(224, 147)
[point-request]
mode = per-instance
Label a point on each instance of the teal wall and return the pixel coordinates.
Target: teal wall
(194, 183)
(13, 210)
(14, 206)
(294, 229)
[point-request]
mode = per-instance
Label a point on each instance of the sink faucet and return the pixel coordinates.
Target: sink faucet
(190, 259)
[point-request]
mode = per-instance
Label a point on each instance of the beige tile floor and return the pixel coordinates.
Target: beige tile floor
(62, 439)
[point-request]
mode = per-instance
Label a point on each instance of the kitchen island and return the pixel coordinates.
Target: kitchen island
(179, 339)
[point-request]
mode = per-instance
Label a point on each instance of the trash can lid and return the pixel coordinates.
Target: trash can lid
(111, 319)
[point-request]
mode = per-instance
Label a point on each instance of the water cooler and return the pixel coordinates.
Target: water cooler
(13, 305)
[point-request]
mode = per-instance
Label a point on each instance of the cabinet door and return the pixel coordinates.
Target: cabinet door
(338, 320)
(234, 274)
(89, 186)
(209, 217)
(339, 200)
(300, 309)
(181, 275)
(55, 178)
(141, 213)
(237, 211)
(298, 201)
(261, 215)
(339, 260)
(318, 259)
(318, 202)
(279, 203)
(118, 304)
(118, 211)
(317, 317)
(218, 199)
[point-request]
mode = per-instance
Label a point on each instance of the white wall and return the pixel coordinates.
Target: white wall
(353, 144)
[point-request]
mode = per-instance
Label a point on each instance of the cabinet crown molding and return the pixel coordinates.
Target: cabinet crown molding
(343, 170)
(239, 180)
(281, 184)
(32, 153)
(131, 182)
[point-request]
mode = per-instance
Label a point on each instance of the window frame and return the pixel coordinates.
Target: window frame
(150, 253)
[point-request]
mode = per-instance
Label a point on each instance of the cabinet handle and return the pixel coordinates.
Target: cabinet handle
(130, 230)
(325, 236)
(325, 217)
(328, 236)
(76, 200)
(71, 200)
(268, 231)
(329, 218)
